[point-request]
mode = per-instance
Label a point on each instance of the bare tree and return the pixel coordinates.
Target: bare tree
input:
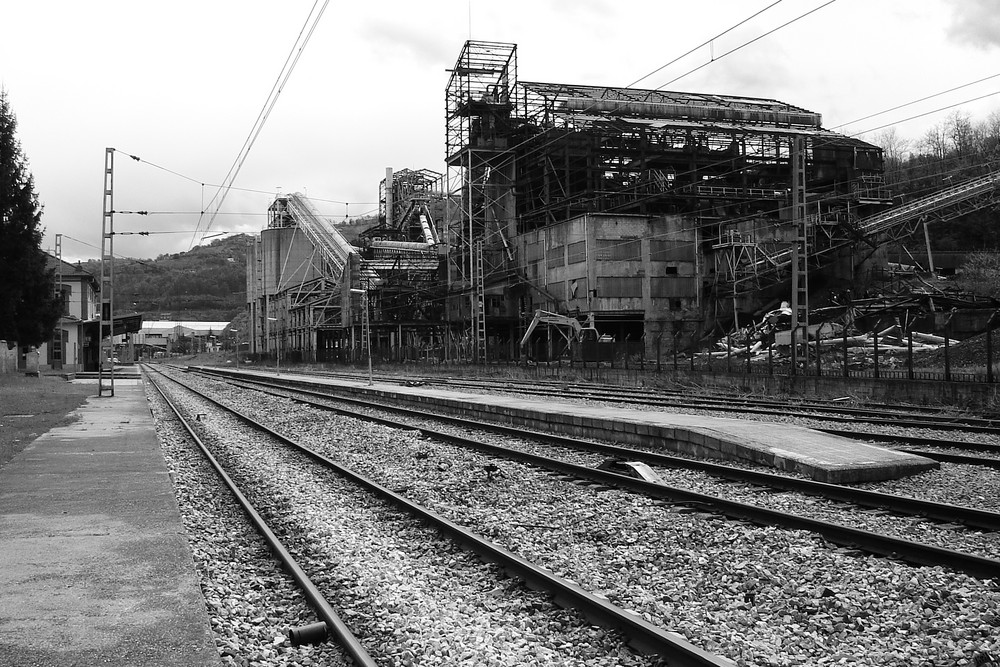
(935, 142)
(989, 136)
(959, 129)
(895, 152)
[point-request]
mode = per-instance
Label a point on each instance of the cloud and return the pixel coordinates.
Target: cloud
(399, 39)
(976, 22)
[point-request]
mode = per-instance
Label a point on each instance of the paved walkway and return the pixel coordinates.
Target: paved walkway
(95, 566)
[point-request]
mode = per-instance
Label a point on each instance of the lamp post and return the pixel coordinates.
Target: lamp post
(366, 323)
(277, 348)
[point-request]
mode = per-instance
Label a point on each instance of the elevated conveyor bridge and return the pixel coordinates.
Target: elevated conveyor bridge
(336, 251)
(944, 205)
(770, 268)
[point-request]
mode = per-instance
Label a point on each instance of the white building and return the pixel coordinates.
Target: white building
(166, 336)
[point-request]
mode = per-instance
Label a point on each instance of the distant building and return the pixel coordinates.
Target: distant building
(71, 347)
(166, 337)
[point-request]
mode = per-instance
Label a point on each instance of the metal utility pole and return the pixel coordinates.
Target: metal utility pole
(106, 318)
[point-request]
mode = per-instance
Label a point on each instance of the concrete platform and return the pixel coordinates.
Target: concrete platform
(821, 456)
(96, 567)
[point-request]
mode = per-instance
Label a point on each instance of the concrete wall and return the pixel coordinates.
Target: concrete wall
(288, 259)
(618, 266)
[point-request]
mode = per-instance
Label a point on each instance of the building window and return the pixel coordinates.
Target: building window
(558, 290)
(619, 250)
(670, 288)
(619, 286)
(576, 252)
(670, 251)
(66, 293)
(555, 258)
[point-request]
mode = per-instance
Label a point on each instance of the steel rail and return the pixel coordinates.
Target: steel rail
(334, 625)
(913, 440)
(809, 411)
(642, 635)
(906, 550)
(933, 420)
(674, 398)
(956, 458)
(945, 512)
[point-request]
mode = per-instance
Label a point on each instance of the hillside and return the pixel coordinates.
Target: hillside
(206, 283)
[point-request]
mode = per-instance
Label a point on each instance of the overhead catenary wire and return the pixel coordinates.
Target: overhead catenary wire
(897, 107)
(291, 61)
(230, 187)
(927, 113)
(544, 144)
(537, 149)
(748, 43)
(705, 43)
(541, 146)
(261, 191)
(917, 101)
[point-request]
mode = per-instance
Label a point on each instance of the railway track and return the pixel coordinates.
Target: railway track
(731, 586)
(885, 545)
(896, 426)
(349, 649)
(639, 633)
(838, 410)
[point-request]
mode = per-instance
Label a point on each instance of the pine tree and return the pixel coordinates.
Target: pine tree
(29, 308)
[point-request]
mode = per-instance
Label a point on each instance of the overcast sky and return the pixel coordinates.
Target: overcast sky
(180, 84)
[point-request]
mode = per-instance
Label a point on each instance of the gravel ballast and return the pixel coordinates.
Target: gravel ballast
(411, 596)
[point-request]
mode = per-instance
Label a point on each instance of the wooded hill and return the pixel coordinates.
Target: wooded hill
(207, 283)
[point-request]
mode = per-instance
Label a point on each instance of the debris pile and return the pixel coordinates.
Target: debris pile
(771, 339)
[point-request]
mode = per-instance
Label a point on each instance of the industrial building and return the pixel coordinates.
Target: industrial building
(655, 215)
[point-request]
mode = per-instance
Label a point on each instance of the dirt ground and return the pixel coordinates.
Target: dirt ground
(31, 406)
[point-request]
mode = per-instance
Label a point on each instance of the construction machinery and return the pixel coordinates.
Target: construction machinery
(572, 334)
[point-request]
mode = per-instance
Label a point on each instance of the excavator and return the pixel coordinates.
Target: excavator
(570, 328)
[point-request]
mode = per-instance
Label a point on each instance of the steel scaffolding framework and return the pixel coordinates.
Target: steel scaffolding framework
(479, 100)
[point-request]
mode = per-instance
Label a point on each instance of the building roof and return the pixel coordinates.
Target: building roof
(68, 270)
(167, 327)
(758, 113)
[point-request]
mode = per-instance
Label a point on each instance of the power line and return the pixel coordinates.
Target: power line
(706, 42)
(251, 190)
(922, 99)
(265, 112)
(90, 245)
(173, 231)
(117, 212)
(927, 113)
(755, 39)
